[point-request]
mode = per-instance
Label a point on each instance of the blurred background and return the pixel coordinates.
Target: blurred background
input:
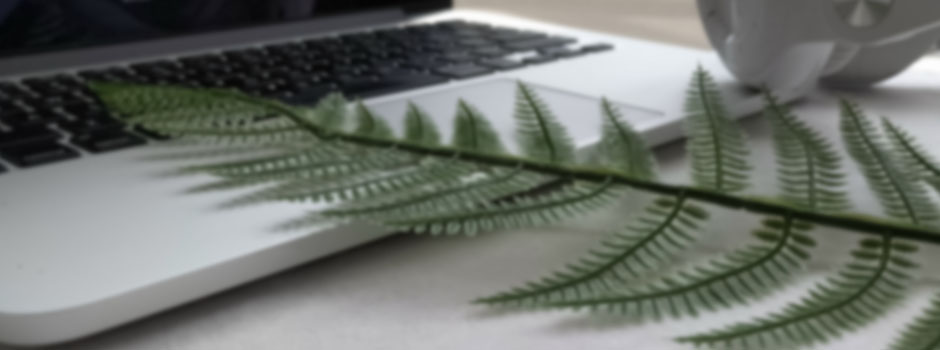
(673, 21)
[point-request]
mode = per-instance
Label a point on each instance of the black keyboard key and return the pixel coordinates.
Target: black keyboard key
(537, 44)
(103, 140)
(27, 133)
(501, 63)
(463, 71)
(509, 36)
(490, 51)
(596, 48)
(37, 153)
(560, 52)
(309, 95)
(390, 83)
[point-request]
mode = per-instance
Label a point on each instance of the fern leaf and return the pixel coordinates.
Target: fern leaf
(473, 132)
(471, 192)
(201, 108)
(631, 255)
(717, 144)
(861, 291)
(735, 278)
(539, 133)
(521, 212)
(254, 134)
(362, 187)
(809, 168)
(369, 124)
(913, 155)
(899, 193)
(309, 165)
(621, 148)
(419, 128)
(922, 333)
(330, 112)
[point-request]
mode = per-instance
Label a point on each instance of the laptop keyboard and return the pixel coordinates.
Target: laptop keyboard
(55, 118)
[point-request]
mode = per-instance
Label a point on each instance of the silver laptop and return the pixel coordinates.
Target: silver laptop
(94, 235)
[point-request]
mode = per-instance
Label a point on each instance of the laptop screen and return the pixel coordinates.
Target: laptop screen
(30, 26)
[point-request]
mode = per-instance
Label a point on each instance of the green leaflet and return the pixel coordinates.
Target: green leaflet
(922, 334)
(308, 165)
(809, 168)
(667, 226)
(735, 278)
(419, 128)
(716, 143)
(474, 191)
(369, 124)
(538, 132)
(473, 132)
(913, 155)
(621, 148)
(359, 187)
(330, 112)
(898, 191)
(861, 291)
(142, 101)
(532, 211)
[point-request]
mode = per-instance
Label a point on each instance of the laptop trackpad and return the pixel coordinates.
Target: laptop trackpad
(496, 99)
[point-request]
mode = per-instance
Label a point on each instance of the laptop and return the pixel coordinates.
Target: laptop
(93, 234)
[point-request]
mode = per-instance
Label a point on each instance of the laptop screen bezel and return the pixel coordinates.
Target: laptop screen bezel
(409, 8)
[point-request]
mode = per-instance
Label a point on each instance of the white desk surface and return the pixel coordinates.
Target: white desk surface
(413, 292)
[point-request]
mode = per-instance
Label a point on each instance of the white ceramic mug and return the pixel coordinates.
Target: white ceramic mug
(791, 45)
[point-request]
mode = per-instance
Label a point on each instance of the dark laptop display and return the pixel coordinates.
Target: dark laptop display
(28, 26)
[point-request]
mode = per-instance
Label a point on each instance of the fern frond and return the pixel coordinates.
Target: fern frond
(667, 226)
(899, 193)
(419, 128)
(809, 168)
(539, 133)
(475, 191)
(621, 148)
(534, 211)
(861, 292)
(716, 143)
(473, 132)
(924, 332)
(913, 155)
(369, 124)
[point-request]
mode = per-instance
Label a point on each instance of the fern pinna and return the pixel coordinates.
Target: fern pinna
(420, 183)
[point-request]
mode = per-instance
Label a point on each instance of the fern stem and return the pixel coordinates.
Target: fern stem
(854, 223)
